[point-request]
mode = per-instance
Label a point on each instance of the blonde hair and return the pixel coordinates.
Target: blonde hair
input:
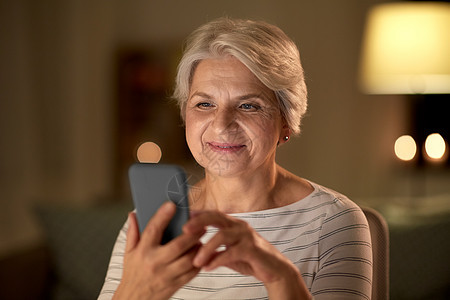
(263, 48)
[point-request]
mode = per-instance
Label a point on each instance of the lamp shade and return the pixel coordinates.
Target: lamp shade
(406, 49)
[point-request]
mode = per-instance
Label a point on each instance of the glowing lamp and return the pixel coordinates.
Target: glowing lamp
(406, 49)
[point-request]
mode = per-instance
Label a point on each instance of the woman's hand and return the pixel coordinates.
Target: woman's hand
(154, 271)
(246, 252)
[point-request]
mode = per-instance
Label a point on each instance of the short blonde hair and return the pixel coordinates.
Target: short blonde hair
(263, 48)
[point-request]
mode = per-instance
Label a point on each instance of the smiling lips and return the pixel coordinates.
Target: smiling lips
(225, 147)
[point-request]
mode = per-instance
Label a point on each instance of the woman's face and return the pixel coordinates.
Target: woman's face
(233, 122)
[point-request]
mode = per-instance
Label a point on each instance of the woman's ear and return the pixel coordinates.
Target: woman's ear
(285, 134)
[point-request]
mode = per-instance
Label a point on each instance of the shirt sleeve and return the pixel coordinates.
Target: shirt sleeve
(345, 255)
(115, 267)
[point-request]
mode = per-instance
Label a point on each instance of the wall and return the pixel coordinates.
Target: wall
(57, 97)
(55, 132)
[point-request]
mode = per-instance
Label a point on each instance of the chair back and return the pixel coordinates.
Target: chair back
(379, 233)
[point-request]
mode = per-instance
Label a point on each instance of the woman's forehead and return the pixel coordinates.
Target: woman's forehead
(228, 74)
(226, 67)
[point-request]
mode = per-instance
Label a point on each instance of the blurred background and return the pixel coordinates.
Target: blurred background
(84, 83)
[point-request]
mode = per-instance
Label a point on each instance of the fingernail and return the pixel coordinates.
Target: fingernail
(198, 260)
(167, 206)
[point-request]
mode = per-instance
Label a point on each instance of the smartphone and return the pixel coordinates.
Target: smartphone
(152, 185)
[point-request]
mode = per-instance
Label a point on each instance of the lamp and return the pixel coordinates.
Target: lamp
(406, 49)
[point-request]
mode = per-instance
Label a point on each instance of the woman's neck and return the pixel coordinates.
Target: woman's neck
(254, 192)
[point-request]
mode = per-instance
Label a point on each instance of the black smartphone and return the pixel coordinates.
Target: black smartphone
(152, 185)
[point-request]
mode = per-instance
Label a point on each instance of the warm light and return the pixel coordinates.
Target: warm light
(405, 147)
(406, 49)
(435, 146)
(149, 152)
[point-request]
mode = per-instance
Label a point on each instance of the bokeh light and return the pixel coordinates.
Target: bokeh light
(149, 152)
(435, 146)
(405, 148)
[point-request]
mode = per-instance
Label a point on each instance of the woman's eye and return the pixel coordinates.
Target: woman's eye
(204, 105)
(249, 107)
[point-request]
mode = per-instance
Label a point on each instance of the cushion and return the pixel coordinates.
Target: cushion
(80, 242)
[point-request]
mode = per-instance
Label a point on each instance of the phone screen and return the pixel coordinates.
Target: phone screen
(152, 185)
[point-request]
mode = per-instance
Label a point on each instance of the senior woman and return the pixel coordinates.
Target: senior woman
(257, 231)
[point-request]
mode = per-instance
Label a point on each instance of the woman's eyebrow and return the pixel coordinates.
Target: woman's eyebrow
(200, 94)
(252, 96)
(262, 96)
(242, 97)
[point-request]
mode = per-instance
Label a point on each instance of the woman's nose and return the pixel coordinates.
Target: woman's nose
(224, 120)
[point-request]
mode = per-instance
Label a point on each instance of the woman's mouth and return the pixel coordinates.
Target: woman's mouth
(225, 147)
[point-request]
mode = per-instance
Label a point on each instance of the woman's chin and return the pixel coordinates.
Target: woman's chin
(224, 168)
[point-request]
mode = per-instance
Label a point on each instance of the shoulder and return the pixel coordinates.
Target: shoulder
(344, 220)
(305, 193)
(338, 211)
(333, 202)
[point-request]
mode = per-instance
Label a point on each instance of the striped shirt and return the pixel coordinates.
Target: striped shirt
(325, 235)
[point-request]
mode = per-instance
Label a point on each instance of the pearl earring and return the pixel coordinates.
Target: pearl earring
(286, 138)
